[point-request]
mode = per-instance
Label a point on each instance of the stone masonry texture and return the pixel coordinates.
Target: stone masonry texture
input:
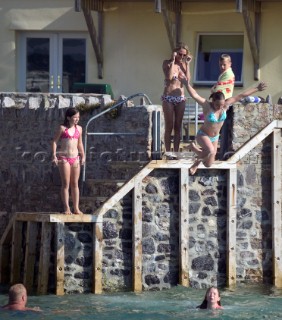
(30, 183)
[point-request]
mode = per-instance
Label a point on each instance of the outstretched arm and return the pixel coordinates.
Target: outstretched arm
(194, 94)
(260, 87)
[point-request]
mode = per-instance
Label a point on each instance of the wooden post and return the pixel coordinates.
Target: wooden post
(137, 236)
(5, 252)
(60, 259)
(276, 208)
(16, 257)
(183, 228)
(30, 252)
(5, 260)
(97, 257)
(44, 259)
(231, 227)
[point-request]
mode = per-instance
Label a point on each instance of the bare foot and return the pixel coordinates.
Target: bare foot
(67, 212)
(193, 169)
(170, 155)
(78, 212)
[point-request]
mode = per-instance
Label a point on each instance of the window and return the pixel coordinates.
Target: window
(51, 62)
(209, 49)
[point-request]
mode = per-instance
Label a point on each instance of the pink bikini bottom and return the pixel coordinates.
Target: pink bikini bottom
(71, 161)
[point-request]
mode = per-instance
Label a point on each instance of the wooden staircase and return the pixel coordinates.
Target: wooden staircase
(28, 236)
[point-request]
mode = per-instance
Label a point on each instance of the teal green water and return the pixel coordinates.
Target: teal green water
(179, 303)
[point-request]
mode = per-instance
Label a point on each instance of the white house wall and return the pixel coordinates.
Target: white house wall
(136, 42)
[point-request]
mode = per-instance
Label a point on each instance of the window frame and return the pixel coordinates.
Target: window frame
(207, 83)
(55, 55)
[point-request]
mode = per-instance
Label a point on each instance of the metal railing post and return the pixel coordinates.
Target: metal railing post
(86, 133)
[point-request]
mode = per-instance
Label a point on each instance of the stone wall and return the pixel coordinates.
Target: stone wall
(27, 126)
(254, 220)
(29, 183)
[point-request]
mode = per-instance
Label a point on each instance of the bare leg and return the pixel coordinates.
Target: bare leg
(179, 112)
(168, 110)
(207, 161)
(75, 172)
(206, 154)
(65, 172)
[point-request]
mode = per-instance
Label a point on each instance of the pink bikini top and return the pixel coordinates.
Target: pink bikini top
(66, 135)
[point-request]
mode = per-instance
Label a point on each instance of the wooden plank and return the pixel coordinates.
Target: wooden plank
(7, 234)
(137, 237)
(122, 192)
(30, 254)
(170, 26)
(276, 208)
(44, 259)
(55, 217)
(98, 256)
(60, 258)
(96, 37)
(252, 36)
(5, 252)
(17, 254)
(186, 164)
(184, 228)
(5, 260)
(231, 227)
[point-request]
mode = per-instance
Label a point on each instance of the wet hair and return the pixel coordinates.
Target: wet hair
(180, 46)
(218, 95)
(204, 304)
(225, 56)
(69, 113)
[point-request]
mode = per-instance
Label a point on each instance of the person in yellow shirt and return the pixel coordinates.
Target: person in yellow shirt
(226, 79)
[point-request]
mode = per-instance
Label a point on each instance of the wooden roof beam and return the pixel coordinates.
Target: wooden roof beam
(173, 26)
(253, 32)
(96, 36)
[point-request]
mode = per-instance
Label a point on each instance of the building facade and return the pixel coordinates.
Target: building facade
(48, 46)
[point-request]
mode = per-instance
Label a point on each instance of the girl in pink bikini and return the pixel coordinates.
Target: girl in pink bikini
(69, 158)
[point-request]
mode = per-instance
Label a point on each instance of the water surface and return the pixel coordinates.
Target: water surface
(179, 303)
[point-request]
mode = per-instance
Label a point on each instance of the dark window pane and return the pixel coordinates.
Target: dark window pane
(210, 47)
(74, 63)
(37, 64)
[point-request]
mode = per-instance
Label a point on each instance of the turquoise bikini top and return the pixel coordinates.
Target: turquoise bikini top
(212, 118)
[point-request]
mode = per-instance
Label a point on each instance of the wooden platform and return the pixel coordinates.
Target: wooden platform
(55, 217)
(26, 232)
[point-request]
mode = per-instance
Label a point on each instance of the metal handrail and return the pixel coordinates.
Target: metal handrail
(86, 133)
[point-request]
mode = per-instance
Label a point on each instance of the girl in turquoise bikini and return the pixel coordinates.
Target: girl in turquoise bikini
(215, 114)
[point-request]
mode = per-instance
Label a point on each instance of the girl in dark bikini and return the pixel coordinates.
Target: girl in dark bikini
(215, 114)
(176, 74)
(70, 158)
